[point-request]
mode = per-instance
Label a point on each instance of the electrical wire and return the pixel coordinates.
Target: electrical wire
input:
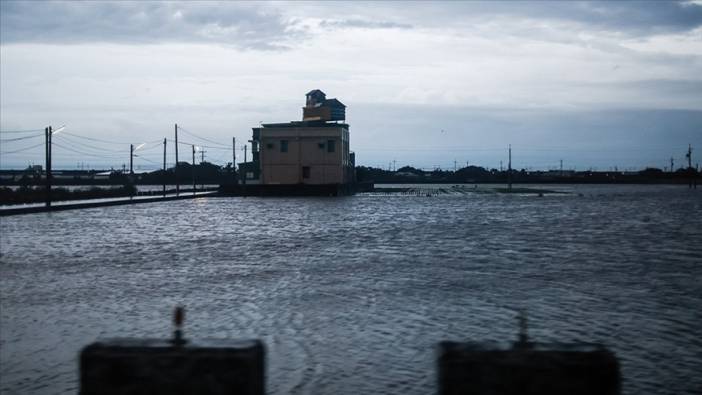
(21, 149)
(20, 138)
(148, 160)
(21, 131)
(86, 153)
(70, 140)
(94, 139)
(203, 146)
(198, 137)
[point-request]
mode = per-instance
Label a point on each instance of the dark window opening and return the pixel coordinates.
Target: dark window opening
(269, 145)
(283, 145)
(321, 145)
(305, 172)
(331, 145)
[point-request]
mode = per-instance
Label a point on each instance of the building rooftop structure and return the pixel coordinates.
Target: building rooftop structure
(319, 108)
(302, 124)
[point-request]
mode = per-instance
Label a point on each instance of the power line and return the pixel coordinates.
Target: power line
(86, 153)
(20, 138)
(21, 131)
(94, 139)
(21, 149)
(148, 160)
(198, 137)
(200, 145)
(70, 140)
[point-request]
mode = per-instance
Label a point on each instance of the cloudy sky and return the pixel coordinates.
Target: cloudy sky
(596, 84)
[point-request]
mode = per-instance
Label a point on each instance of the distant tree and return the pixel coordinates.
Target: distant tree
(410, 169)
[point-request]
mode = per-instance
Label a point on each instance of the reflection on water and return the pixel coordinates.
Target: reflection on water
(351, 295)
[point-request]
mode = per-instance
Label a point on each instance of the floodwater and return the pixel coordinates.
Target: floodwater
(351, 295)
(140, 188)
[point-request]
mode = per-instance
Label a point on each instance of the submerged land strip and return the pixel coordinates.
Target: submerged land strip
(429, 190)
(82, 200)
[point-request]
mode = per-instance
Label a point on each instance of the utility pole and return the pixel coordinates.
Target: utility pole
(202, 182)
(131, 159)
(561, 167)
(164, 166)
(690, 170)
(455, 165)
(244, 177)
(500, 166)
(509, 169)
(193, 170)
(672, 164)
(47, 132)
(394, 165)
(234, 159)
(176, 164)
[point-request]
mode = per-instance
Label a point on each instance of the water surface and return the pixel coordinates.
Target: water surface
(351, 295)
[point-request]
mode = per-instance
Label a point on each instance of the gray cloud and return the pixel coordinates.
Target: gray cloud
(628, 17)
(278, 26)
(632, 17)
(363, 23)
(242, 25)
(637, 16)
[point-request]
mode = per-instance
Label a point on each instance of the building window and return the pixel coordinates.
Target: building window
(283, 145)
(305, 172)
(269, 145)
(331, 145)
(321, 145)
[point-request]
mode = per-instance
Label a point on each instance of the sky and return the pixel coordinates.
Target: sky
(598, 85)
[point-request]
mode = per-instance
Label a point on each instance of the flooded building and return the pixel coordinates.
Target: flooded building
(314, 151)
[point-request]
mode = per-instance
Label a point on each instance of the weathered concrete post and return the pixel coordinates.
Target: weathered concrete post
(526, 368)
(176, 366)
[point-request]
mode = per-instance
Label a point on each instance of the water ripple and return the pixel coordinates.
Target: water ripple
(351, 295)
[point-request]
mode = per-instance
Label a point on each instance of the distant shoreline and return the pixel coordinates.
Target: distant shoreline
(213, 175)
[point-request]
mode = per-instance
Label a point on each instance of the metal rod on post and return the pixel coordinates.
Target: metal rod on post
(164, 166)
(193, 170)
(176, 163)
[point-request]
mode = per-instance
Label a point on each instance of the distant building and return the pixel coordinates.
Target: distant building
(314, 151)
